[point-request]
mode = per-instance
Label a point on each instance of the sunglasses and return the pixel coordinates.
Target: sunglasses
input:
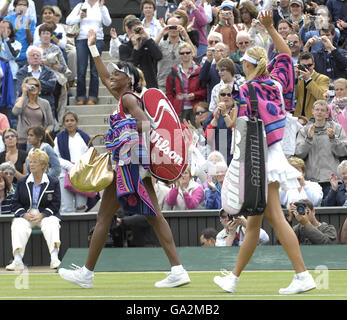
(185, 53)
(198, 113)
(222, 69)
(308, 65)
(10, 136)
(9, 173)
(223, 94)
(213, 41)
(245, 42)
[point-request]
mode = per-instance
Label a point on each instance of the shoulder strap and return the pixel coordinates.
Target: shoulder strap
(253, 99)
(173, 77)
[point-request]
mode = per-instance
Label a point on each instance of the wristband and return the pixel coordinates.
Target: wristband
(94, 51)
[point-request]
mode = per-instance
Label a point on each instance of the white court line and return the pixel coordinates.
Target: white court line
(177, 296)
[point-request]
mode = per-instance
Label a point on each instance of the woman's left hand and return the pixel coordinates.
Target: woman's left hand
(91, 37)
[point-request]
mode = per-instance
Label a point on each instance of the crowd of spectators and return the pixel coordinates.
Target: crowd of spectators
(191, 50)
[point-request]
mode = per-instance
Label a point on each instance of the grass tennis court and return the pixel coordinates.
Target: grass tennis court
(253, 285)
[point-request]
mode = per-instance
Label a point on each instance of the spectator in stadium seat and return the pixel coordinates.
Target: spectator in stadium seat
(337, 192)
(310, 86)
(92, 14)
(284, 28)
(338, 10)
(69, 146)
(150, 23)
(338, 105)
(228, 25)
(184, 22)
(8, 8)
(208, 237)
(24, 26)
(201, 113)
(322, 19)
(213, 198)
(243, 41)
(234, 231)
(320, 143)
(36, 202)
(116, 40)
(53, 58)
(209, 73)
(58, 32)
(295, 44)
(168, 41)
(183, 86)
(309, 230)
(5, 193)
(282, 12)
(307, 190)
(31, 110)
(248, 12)
(196, 14)
(185, 194)
(38, 138)
(44, 75)
(10, 171)
(10, 47)
(296, 8)
(12, 154)
(142, 51)
(329, 60)
(165, 9)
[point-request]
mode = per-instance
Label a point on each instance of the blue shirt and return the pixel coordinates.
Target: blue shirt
(21, 33)
(36, 194)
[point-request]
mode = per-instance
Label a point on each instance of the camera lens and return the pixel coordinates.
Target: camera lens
(301, 209)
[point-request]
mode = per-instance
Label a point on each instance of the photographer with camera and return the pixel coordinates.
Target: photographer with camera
(142, 51)
(309, 230)
(314, 23)
(330, 60)
(310, 85)
(234, 229)
(168, 41)
(295, 45)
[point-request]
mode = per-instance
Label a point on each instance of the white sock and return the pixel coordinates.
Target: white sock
(54, 254)
(18, 257)
(87, 272)
(177, 269)
(303, 275)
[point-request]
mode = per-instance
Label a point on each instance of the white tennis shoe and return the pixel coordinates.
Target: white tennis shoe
(174, 279)
(227, 283)
(77, 276)
(300, 283)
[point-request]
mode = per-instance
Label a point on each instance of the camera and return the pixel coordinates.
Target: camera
(84, 10)
(302, 68)
(138, 30)
(31, 86)
(291, 43)
(173, 27)
(319, 38)
(312, 18)
(231, 217)
(300, 207)
(257, 22)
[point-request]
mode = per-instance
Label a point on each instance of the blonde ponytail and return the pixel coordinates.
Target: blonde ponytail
(259, 54)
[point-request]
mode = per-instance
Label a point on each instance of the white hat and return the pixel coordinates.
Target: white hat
(299, 2)
(227, 4)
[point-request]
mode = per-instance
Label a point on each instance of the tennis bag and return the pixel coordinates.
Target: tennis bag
(168, 143)
(244, 189)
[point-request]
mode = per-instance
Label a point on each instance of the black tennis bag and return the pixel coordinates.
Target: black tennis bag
(244, 189)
